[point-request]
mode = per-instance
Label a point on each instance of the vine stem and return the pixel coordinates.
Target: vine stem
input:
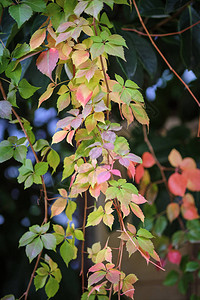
(32, 276)
(83, 244)
(104, 74)
(43, 186)
(161, 54)
(161, 34)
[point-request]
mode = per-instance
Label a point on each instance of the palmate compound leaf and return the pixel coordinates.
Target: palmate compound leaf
(49, 241)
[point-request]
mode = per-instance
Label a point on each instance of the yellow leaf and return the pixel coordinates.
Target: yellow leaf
(99, 116)
(37, 38)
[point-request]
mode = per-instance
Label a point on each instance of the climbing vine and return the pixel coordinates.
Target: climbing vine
(77, 39)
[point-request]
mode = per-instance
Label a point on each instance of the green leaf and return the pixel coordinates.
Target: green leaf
(95, 217)
(121, 145)
(41, 168)
(146, 244)
(36, 5)
(34, 248)
(6, 151)
(51, 287)
(192, 266)
(20, 50)
(44, 228)
(160, 225)
(28, 182)
(94, 8)
(39, 281)
(26, 168)
(117, 39)
(67, 252)
(144, 233)
(119, 79)
(20, 153)
(79, 235)
(97, 49)
(49, 241)
(40, 144)
(5, 109)
(26, 90)
(171, 278)
(114, 50)
(71, 207)
(21, 13)
(27, 238)
(53, 159)
(13, 71)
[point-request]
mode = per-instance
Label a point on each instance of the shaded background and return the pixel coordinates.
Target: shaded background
(173, 124)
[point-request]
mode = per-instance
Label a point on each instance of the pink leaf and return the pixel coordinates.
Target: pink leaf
(193, 177)
(103, 177)
(97, 267)
(188, 163)
(116, 172)
(47, 61)
(95, 152)
(131, 170)
(134, 158)
(148, 160)
(177, 184)
(96, 277)
(113, 276)
(83, 94)
(59, 136)
(70, 137)
(124, 162)
(138, 199)
(108, 146)
(95, 192)
(174, 256)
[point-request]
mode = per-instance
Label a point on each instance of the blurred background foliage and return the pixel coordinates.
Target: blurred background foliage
(172, 111)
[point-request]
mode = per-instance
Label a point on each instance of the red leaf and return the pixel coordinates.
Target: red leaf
(188, 208)
(174, 256)
(47, 61)
(148, 160)
(96, 277)
(173, 211)
(139, 172)
(177, 184)
(83, 94)
(193, 177)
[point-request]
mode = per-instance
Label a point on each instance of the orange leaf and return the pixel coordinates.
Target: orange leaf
(137, 211)
(47, 94)
(59, 136)
(173, 211)
(175, 158)
(37, 38)
(148, 160)
(79, 57)
(58, 206)
(177, 184)
(83, 94)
